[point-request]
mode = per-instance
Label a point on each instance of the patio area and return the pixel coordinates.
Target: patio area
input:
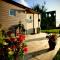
(38, 49)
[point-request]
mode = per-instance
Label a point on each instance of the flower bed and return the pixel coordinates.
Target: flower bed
(13, 47)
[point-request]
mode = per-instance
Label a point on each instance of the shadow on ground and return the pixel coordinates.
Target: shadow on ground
(36, 53)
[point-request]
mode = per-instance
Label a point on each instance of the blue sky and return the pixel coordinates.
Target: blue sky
(50, 5)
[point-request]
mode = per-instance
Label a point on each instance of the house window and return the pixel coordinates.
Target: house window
(12, 12)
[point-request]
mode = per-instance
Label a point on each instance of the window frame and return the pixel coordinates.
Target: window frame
(12, 14)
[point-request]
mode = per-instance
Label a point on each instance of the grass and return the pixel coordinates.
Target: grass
(57, 56)
(51, 31)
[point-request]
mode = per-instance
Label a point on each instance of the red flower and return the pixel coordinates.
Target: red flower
(7, 39)
(9, 33)
(12, 39)
(14, 47)
(25, 49)
(21, 38)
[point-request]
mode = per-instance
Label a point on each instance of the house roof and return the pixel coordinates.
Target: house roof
(27, 9)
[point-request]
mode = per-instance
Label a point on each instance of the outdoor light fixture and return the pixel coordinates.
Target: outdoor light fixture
(38, 19)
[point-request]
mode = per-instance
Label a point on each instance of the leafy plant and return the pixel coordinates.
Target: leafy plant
(14, 45)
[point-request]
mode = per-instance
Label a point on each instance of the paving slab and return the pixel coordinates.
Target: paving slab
(38, 49)
(35, 36)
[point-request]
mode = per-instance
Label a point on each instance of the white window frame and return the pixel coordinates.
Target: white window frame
(12, 14)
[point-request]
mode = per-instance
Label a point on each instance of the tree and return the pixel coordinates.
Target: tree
(41, 9)
(37, 8)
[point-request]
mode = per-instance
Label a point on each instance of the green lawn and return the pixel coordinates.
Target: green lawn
(57, 56)
(51, 31)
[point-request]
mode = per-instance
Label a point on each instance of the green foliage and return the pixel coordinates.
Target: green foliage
(40, 9)
(51, 31)
(57, 56)
(1, 38)
(37, 8)
(10, 57)
(21, 53)
(48, 22)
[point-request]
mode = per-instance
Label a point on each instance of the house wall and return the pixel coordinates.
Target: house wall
(7, 20)
(30, 24)
(36, 23)
(40, 21)
(35, 20)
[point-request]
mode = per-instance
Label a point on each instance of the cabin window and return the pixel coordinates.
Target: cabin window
(12, 12)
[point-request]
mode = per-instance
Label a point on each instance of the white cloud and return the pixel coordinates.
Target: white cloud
(22, 2)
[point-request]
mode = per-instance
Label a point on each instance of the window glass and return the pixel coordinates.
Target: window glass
(12, 12)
